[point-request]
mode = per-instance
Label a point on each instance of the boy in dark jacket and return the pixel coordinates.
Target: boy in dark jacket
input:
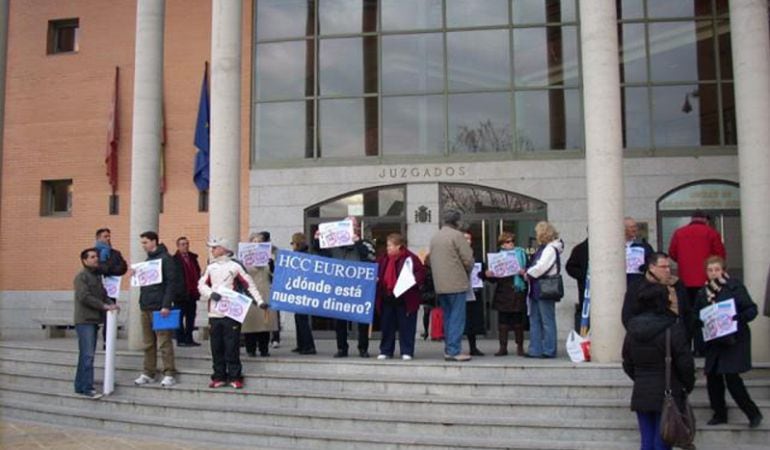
(90, 304)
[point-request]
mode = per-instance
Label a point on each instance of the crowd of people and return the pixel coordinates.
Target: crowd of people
(655, 301)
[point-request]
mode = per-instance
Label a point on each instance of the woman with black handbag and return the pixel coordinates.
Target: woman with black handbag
(545, 289)
(728, 356)
(644, 361)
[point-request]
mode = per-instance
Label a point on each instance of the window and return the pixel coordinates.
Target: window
(339, 79)
(63, 36)
(203, 201)
(114, 205)
(56, 198)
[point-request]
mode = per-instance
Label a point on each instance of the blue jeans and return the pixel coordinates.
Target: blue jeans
(649, 428)
(542, 328)
(454, 321)
(84, 377)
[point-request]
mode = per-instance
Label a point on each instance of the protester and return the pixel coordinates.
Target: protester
(304, 332)
(644, 353)
(90, 304)
(361, 250)
(637, 251)
(451, 264)
(657, 270)
(577, 268)
(542, 313)
(111, 262)
(258, 324)
(157, 297)
(510, 298)
(398, 313)
(474, 312)
(225, 332)
(728, 356)
(187, 296)
(690, 246)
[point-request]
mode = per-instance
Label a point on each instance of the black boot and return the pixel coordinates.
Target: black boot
(472, 344)
(503, 337)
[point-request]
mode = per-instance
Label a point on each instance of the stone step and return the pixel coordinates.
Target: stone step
(482, 428)
(546, 408)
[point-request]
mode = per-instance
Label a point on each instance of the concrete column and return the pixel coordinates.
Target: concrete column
(604, 176)
(145, 138)
(225, 152)
(751, 71)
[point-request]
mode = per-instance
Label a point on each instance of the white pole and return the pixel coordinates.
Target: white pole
(109, 354)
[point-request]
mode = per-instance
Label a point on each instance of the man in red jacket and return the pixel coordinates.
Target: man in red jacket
(690, 246)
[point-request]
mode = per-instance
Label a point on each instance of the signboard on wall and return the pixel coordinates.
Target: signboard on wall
(706, 196)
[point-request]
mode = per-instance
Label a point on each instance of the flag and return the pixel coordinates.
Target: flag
(163, 148)
(113, 136)
(201, 172)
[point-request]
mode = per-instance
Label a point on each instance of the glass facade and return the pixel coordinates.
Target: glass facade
(341, 79)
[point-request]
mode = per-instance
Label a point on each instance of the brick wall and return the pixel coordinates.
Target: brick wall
(56, 124)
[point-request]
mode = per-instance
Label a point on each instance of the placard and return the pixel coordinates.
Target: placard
(634, 259)
(112, 286)
(336, 234)
(718, 319)
(147, 273)
(503, 264)
(232, 304)
(476, 282)
(254, 254)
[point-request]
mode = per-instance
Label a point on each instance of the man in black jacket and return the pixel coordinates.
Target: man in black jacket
(157, 297)
(577, 268)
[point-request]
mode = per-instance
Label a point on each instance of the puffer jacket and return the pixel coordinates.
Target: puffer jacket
(223, 272)
(159, 296)
(644, 353)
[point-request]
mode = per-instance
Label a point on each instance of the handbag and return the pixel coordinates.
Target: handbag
(677, 427)
(552, 286)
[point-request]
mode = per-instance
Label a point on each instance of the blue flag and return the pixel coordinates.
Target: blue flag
(201, 173)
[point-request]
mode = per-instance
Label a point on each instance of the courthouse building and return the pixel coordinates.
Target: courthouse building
(390, 110)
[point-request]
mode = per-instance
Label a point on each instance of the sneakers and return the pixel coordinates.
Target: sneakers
(276, 344)
(168, 381)
(236, 384)
(216, 384)
(382, 357)
(93, 395)
(406, 357)
(457, 358)
(143, 379)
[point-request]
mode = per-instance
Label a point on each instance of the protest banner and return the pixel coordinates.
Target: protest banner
(325, 287)
(634, 259)
(232, 304)
(718, 319)
(254, 254)
(335, 234)
(112, 286)
(476, 282)
(147, 273)
(503, 264)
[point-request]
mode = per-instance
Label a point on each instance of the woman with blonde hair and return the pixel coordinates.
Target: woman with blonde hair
(542, 313)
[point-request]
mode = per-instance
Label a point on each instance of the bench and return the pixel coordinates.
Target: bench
(58, 317)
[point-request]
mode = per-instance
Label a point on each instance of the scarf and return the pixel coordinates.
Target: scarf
(673, 301)
(104, 250)
(190, 274)
(518, 281)
(390, 277)
(714, 286)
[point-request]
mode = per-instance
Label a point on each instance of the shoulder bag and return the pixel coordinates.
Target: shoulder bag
(677, 428)
(552, 286)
